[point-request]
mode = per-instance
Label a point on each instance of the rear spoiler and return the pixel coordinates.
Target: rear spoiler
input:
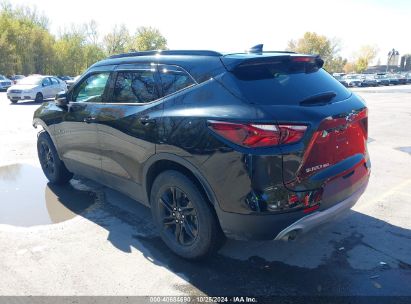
(233, 62)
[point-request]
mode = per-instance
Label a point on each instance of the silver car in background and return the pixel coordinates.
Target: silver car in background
(369, 80)
(353, 80)
(36, 87)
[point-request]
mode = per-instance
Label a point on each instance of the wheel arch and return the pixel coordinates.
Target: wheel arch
(164, 161)
(44, 128)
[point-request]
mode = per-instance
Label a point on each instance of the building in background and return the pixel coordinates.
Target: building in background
(405, 64)
(394, 64)
(382, 69)
(393, 58)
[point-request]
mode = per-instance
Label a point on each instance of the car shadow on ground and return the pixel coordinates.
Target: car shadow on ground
(355, 255)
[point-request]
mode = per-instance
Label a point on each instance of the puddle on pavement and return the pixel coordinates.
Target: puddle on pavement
(405, 149)
(27, 199)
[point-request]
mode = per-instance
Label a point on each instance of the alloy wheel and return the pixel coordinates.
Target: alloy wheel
(47, 159)
(178, 216)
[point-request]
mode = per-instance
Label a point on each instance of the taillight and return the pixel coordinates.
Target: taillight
(317, 61)
(258, 135)
(303, 59)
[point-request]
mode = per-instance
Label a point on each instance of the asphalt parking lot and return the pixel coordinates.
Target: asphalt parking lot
(84, 239)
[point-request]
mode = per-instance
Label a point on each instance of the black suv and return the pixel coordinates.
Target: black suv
(257, 145)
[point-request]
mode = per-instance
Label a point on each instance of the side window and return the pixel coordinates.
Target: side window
(92, 88)
(135, 86)
(174, 79)
(46, 82)
(54, 81)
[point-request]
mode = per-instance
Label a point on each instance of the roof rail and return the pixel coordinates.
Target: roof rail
(168, 52)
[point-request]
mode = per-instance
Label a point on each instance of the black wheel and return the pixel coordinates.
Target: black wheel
(184, 218)
(14, 101)
(39, 97)
(54, 169)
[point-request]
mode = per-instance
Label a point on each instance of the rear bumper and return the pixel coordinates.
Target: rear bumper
(279, 226)
(320, 217)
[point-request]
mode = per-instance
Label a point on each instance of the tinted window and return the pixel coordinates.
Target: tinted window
(284, 83)
(92, 88)
(46, 82)
(54, 81)
(135, 87)
(174, 79)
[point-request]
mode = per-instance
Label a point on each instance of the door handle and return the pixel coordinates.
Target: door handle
(145, 120)
(90, 119)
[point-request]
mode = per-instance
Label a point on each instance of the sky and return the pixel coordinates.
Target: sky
(230, 26)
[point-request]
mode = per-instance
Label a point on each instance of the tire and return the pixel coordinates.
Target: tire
(198, 233)
(53, 167)
(39, 97)
(14, 101)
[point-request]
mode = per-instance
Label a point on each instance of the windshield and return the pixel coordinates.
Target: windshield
(35, 80)
(2, 77)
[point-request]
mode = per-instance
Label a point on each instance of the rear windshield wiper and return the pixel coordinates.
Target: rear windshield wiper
(318, 99)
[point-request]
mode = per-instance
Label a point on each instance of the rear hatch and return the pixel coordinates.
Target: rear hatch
(294, 89)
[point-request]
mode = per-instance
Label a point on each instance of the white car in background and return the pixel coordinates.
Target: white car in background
(36, 87)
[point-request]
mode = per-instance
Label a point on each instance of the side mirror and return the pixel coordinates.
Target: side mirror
(61, 99)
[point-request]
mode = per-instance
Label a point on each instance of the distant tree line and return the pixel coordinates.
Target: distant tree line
(328, 49)
(28, 47)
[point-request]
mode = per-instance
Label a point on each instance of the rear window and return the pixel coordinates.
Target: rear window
(286, 83)
(54, 80)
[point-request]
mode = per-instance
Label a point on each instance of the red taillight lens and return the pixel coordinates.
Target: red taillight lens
(311, 209)
(258, 135)
(291, 133)
(303, 59)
